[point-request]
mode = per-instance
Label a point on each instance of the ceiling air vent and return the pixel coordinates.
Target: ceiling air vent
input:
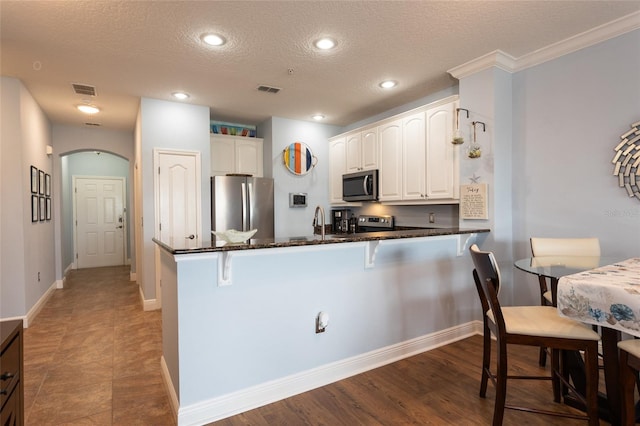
(93, 124)
(268, 89)
(84, 89)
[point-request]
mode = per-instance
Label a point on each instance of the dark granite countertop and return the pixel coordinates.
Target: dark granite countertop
(219, 246)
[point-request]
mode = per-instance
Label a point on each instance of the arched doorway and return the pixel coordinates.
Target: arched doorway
(98, 167)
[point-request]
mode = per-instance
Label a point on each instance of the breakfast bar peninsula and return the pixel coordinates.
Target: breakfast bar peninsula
(239, 322)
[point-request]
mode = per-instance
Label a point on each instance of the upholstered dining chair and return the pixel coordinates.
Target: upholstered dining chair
(629, 367)
(566, 247)
(530, 326)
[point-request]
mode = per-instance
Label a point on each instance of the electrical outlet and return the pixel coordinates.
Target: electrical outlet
(432, 218)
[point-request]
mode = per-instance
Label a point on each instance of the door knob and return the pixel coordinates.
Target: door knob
(190, 237)
(119, 227)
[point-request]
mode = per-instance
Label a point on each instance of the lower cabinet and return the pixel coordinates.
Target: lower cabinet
(11, 373)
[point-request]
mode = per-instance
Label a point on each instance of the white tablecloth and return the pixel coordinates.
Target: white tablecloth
(608, 296)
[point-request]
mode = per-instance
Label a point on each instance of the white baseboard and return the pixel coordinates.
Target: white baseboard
(132, 276)
(148, 304)
(168, 384)
(35, 309)
(247, 399)
(60, 283)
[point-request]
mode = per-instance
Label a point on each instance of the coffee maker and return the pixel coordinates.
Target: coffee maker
(340, 221)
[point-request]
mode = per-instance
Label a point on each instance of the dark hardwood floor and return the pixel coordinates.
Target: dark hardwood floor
(439, 387)
(92, 357)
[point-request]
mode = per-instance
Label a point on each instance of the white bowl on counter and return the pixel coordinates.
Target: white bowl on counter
(233, 236)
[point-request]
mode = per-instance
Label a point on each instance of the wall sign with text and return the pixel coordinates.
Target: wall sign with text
(473, 201)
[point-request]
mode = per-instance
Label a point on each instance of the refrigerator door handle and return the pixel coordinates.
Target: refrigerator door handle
(248, 223)
(245, 206)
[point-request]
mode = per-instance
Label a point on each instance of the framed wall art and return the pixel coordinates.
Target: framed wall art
(41, 182)
(34, 180)
(34, 208)
(47, 215)
(41, 209)
(47, 185)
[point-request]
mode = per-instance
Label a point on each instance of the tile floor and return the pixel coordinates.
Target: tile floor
(92, 355)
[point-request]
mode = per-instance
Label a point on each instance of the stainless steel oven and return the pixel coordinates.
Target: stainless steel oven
(360, 186)
(369, 223)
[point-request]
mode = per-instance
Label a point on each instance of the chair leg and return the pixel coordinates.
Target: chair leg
(542, 360)
(486, 360)
(591, 370)
(501, 384)
(628, 382)
(555, 371)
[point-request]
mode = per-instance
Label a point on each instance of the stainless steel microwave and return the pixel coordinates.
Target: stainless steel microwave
(360, 186)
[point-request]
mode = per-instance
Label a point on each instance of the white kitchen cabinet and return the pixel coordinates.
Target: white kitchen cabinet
(337, 167)
(413, 156)
(441, 160)
(362, 150)
(418, 164)
(231, 154)
(390, 177)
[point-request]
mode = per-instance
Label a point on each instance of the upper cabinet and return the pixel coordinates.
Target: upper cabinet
(390, 177)
(418, 164)
(442, 176)
(337, 167)
(362, 150)
(232, 154)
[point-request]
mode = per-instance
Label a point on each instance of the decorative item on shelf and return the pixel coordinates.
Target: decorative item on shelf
(298, 158)
(627, 161)
(232, 129)
(458, 139)
(474, 150)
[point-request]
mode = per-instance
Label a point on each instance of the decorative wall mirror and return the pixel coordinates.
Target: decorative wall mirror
(627, 161)
(298, 158)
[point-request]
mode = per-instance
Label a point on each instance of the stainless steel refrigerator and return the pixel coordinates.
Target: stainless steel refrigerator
(242, 203)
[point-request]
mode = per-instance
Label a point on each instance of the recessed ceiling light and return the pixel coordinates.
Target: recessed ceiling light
(318, 117)
(325, 43)
(180, 95)
(388, 84)
(214, 39)
(88, 109)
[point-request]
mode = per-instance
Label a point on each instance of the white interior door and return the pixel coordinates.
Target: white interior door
(99, 221)
(178, 198)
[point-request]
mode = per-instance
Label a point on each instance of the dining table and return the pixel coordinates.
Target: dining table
(603, 292)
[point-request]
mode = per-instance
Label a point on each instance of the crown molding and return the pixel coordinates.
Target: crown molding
(506, 62)
(497, 58)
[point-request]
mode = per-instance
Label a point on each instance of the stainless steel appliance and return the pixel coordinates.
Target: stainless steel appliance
(242, 203)
(369, 223)
(360, 186)
(341, 220)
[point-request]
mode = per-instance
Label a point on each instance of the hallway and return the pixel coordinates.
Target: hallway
(92, 355)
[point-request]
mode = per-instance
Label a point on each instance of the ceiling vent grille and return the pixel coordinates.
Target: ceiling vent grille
(84, 89)
(268, 89)
(93, 124)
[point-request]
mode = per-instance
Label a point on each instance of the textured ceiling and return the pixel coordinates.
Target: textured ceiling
(133, 49)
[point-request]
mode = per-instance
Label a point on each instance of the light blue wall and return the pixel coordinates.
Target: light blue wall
(290, 222)
(569, 114)
(261, 328)
(178, 126)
